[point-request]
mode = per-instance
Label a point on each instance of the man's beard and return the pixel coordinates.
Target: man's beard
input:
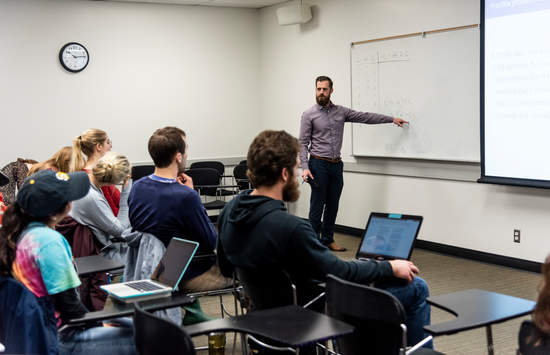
(181, 167)
(322, 100)
(291, 190)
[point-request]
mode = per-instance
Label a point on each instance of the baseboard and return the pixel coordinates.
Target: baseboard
(470, 254)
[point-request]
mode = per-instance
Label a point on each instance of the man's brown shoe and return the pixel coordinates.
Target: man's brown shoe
(335, 247)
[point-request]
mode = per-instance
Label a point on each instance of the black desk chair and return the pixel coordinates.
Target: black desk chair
(4, 180)
(139, 171)
(378, 318)
(157, 336)
(220, 168)
(207, 183)
(239, 172)
(268, 289)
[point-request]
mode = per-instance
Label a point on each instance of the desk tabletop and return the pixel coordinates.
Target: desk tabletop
(289, 325)
(95, 263)
(117, 309)
(477, 308)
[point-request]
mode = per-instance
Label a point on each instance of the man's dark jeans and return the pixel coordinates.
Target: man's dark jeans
(325, 196)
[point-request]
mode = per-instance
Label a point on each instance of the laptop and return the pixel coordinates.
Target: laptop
(165, 279)
(389, 236)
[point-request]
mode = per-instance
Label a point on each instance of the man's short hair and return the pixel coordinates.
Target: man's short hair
(323, 78)
(164, 144)
(269, 153)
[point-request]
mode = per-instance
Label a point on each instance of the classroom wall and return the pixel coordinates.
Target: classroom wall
(458, 213)
(151, 65)
(223, 74)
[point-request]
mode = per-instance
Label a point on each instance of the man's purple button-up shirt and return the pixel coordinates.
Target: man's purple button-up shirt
(322, 129)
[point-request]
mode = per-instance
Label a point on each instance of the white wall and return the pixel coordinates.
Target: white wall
(151, 65)
(458, 213)
(223, 74)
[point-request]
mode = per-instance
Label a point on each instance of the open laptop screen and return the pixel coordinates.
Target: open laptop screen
(389, 236)
(175, 261)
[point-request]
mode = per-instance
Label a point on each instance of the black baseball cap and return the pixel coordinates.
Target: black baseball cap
(48, 191)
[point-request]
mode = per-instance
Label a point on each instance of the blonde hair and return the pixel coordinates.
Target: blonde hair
(59, 161)
(111, 169)
(85, 145)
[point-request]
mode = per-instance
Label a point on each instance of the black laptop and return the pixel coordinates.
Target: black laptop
(389, 236)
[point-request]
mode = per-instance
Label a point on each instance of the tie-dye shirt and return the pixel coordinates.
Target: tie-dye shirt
(43, 261)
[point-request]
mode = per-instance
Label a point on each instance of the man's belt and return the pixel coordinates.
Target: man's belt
(337, 160)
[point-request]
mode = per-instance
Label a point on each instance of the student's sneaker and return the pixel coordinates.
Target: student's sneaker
(194, 314)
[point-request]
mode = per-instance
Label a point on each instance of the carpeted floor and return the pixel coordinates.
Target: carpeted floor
(444, 274)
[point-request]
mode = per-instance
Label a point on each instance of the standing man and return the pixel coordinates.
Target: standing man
(321, 134)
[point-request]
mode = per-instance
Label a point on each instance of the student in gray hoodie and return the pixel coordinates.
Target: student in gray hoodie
(94, 211)
(256, 232)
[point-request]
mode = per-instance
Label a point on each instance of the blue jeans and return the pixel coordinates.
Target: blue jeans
(99, 340)
(413, 298)
(325, 196)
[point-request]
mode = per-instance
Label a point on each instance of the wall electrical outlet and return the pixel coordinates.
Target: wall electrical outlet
(516, 236)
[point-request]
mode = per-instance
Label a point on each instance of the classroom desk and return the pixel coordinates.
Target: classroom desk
(117, 309)
(92, 264)
(291, 326)
(477, 308)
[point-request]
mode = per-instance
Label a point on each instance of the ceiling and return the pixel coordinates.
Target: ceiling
(227, 3)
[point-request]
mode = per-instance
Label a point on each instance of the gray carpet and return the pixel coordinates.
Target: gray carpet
(445, 274)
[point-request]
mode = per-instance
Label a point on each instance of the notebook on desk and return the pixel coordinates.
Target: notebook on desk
(389, 236)
(166, 277)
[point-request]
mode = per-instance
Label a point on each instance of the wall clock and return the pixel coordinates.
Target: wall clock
(74, 57)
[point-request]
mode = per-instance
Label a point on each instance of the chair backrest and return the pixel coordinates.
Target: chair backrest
(376, 315)
(205, 177)
(27, 324)
(83, 243)
(217, 165)
(156, 336)
(139, 171)
(239, 172)
(266, 289)
(4, 179)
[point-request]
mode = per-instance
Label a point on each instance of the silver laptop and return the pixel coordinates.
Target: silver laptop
(166, 277)
(389, 236)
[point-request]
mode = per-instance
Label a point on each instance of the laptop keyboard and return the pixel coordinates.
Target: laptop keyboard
(143, 286)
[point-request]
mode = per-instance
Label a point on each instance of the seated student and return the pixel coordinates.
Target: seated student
(16, 171)
(257, 232)
(94, 143)
(94, 211)
(534, 336)
(58, 162)
(165, 205)
(40, 258)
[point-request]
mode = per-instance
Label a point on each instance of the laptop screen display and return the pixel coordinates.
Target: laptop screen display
(389, 236)
(175, 261)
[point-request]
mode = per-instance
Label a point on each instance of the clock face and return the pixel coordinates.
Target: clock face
(74, 57)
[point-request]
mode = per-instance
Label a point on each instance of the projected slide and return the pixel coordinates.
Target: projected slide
(517, 89)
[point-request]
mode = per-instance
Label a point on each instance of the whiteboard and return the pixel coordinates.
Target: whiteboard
(431, 81)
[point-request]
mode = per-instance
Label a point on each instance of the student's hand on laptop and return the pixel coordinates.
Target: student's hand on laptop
(403, 269)
(186, 180)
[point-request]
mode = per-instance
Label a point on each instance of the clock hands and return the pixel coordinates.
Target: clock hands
(77, 56)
